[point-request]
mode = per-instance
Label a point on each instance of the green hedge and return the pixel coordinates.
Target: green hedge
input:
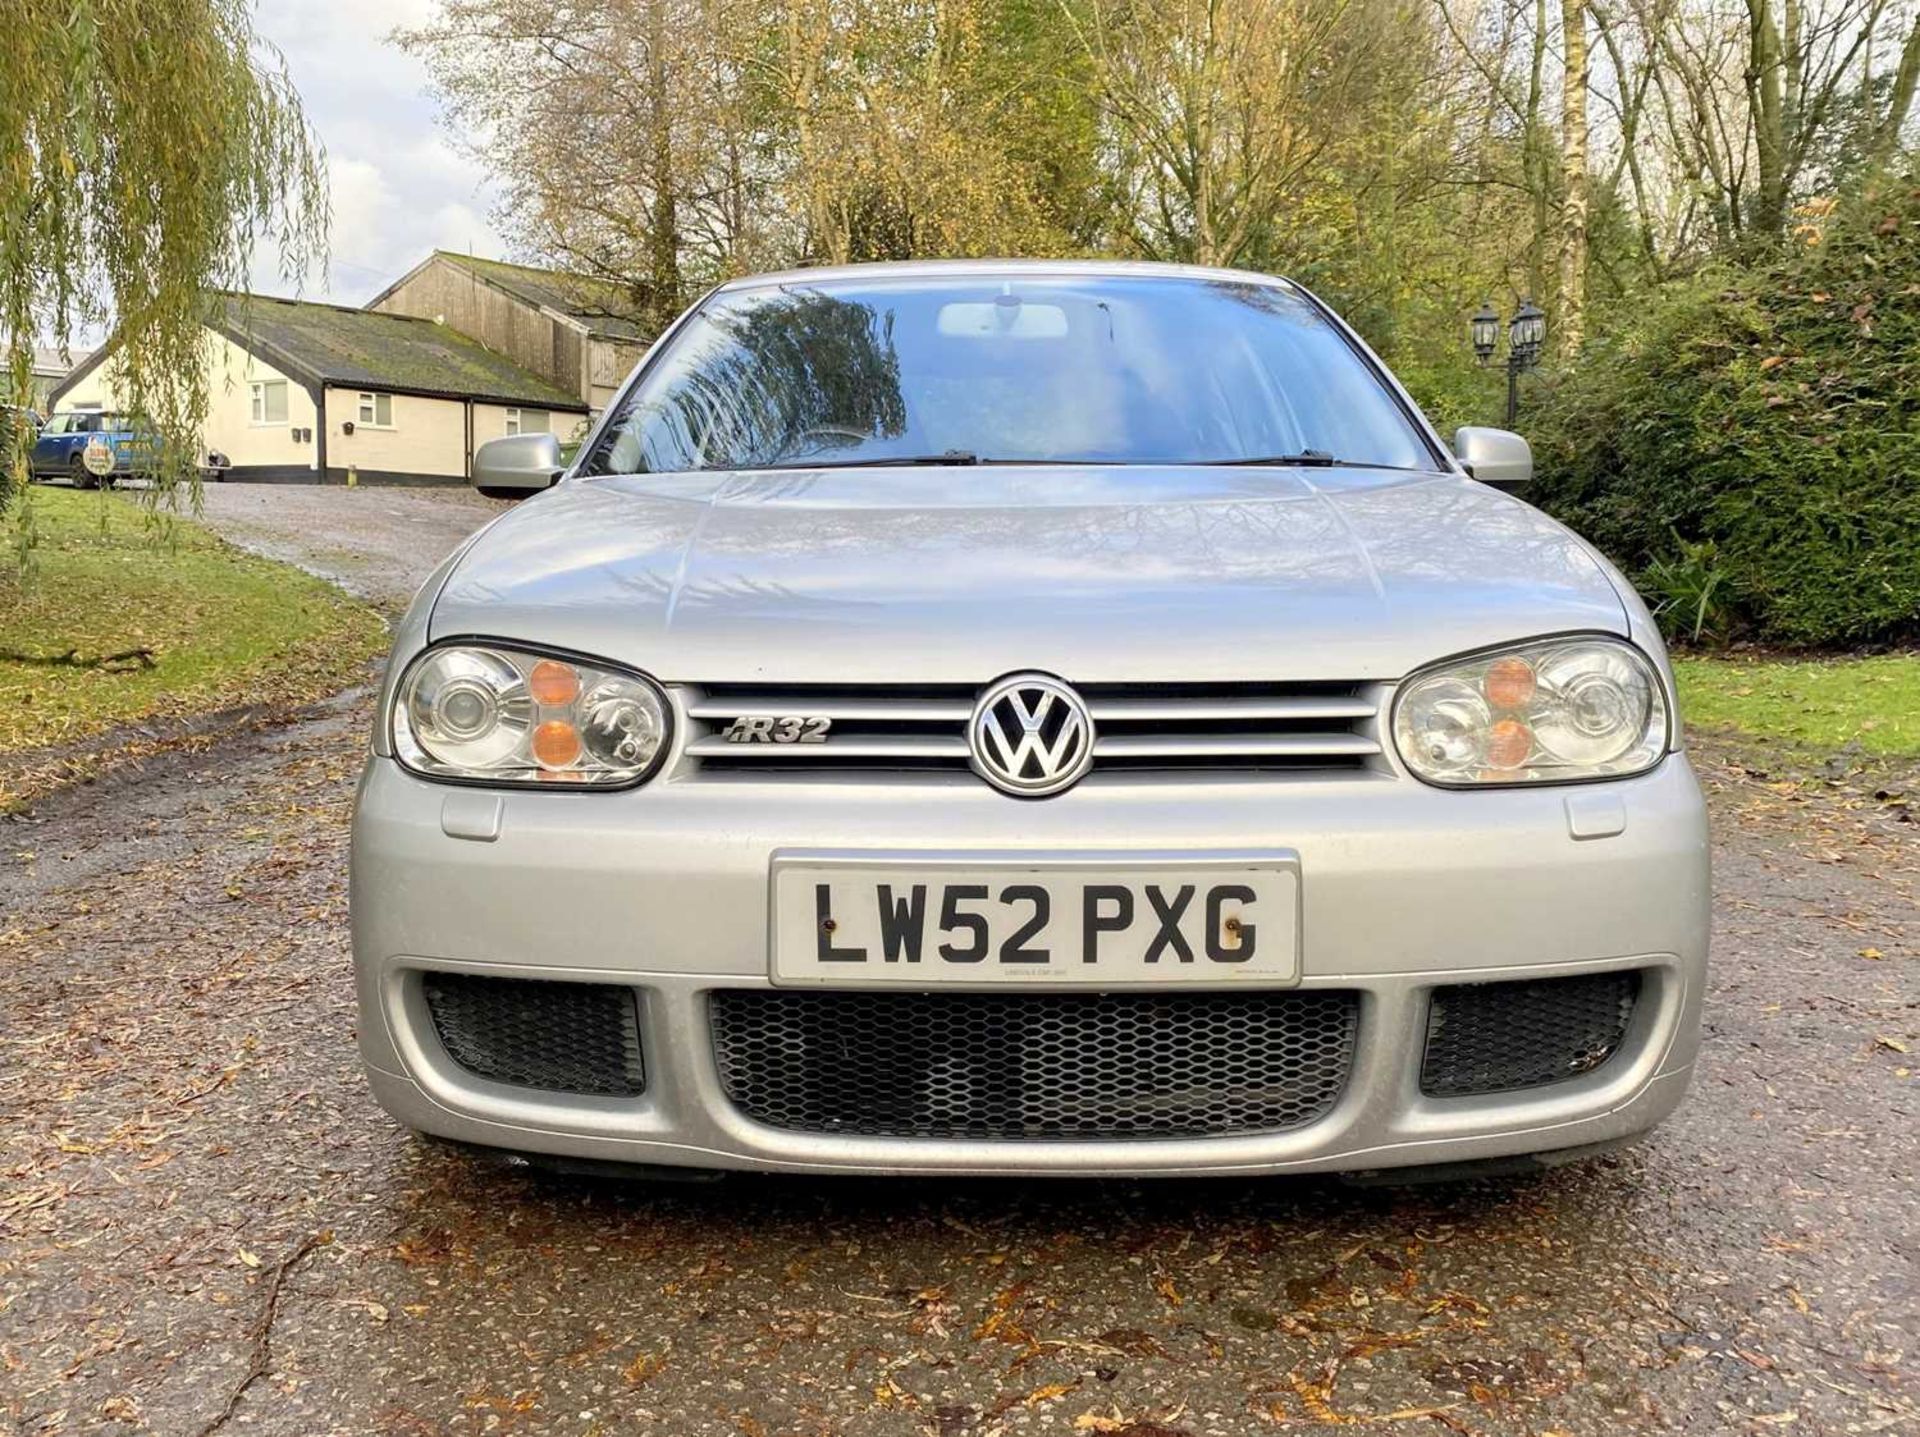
(1749, 446)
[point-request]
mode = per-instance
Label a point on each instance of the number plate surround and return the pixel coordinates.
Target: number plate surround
(792, 931)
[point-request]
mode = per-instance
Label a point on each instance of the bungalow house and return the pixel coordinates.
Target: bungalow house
(49, 368)
(575, 331)
(313, 392)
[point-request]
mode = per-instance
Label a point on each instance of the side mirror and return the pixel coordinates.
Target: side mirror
(518, 465)
(1493, 456)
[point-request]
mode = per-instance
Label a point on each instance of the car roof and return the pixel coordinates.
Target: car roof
(1005, 269)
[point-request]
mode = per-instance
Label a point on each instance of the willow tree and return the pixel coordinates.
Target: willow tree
(146, 147)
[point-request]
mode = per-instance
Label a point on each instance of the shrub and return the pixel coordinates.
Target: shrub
(1684, 589)
(1765, 423)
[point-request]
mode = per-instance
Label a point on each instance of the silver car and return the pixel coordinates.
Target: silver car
(1026, 718)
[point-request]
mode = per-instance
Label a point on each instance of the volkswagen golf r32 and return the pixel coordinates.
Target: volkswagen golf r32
(1026, 718)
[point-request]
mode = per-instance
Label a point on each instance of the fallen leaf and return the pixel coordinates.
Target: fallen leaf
(1132, 1341)
(1049, 1392)
(643, 1369)
(1118, 1426)
(1442, 1415)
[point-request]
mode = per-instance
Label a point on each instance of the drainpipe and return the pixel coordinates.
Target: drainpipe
(320, 430)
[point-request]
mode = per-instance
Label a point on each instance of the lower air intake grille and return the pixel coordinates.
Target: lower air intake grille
(1034, 1065)
(1496, 1037)
(565, 1037)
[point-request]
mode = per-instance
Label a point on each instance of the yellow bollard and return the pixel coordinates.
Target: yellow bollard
(353, 476)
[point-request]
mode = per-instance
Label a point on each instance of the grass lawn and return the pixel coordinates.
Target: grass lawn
(224, 628)
(1820, 703)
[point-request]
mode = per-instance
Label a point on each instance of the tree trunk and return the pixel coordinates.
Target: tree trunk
(805, 35)
(1572, 320)
(1767, 89)
(663, 230)
(1534, 159)
(1900, 103)
(1632, 106)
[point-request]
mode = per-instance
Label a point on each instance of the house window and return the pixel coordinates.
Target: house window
(376, 411)
(528, 421)
(269, 397)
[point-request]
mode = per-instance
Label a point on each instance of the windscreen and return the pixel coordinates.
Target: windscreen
(1025, 370)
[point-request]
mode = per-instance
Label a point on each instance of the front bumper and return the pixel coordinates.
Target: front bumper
(1404, 888)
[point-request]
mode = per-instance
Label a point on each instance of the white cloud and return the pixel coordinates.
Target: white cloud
(399, 188)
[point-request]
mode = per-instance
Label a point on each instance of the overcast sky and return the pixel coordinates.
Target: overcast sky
(400, 186)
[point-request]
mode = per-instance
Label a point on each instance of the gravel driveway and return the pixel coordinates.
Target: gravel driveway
(376, 542)
(205, 1223)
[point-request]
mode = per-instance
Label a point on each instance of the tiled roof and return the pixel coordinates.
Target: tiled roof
(341, 346)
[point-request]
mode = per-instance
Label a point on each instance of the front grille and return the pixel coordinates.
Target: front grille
(923, 728)
(564, 1037)
(1496, 1037)
(1034, 1065)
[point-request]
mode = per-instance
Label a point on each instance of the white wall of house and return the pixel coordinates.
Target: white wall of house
(256, 415)
(494, 421)
(248, 436)
(424, 436)
(420, 436)
(252, 428)
(94, 390)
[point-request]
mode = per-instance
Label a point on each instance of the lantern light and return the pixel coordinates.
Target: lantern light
(1485, 328)
(1527, 332)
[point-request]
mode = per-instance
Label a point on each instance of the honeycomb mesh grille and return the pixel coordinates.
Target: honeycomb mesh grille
(565, 1037)
(1496, 1037)
(1033, 1065)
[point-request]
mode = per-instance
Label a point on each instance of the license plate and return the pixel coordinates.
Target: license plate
(1221, 921)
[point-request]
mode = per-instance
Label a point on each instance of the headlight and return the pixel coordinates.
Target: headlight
(1554, 711)
(488, 714)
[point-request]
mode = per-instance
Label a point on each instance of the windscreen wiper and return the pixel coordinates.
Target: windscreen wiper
(903, 461)
(1306, 458)
(1319, 459)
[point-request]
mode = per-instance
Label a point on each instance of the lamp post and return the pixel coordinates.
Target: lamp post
(1526, 333)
